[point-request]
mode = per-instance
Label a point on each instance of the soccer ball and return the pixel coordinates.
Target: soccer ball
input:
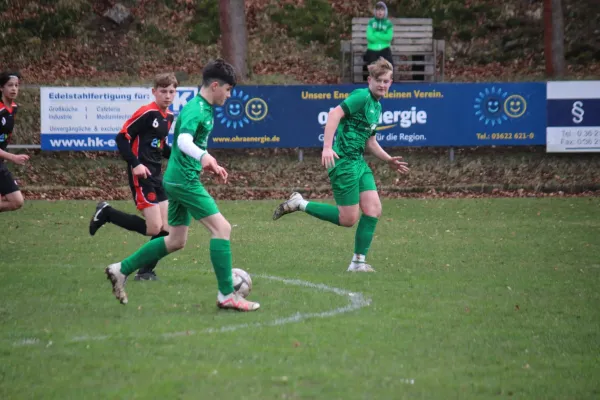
(242, 283)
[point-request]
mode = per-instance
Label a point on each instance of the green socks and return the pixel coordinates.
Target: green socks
(220, 257)
(154, 250)
(364, 234)
(325, 212)
(149, 253)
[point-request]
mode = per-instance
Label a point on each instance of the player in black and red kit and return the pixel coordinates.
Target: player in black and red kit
(11, 197)
(142, 143)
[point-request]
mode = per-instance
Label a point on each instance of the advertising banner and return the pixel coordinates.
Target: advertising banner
(469, 114)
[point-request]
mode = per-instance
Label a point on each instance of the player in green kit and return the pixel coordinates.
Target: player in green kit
(188, 199)
(352, 181)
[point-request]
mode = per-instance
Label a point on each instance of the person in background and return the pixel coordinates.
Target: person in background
(142, 142)
(380, 32)
(11, 198)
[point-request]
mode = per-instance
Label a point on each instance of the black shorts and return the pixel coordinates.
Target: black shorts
(8, 184)
(146, 192)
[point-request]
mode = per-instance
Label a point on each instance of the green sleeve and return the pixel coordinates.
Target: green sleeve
(388, 35)
(353, 103)
(190, 119)
(371, 33)
(385, 37)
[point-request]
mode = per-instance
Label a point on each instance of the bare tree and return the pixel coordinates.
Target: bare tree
(233, 35)
(554, 33)
(558, 38)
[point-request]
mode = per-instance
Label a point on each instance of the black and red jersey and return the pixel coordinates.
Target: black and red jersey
(7, 123)
(142, 140)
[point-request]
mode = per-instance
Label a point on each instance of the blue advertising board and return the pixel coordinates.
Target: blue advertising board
(468, 114)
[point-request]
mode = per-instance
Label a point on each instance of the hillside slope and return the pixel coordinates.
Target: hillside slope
(70, 41)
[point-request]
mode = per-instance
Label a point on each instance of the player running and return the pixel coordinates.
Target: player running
(188, 199)
(142, 144)
(11, 198)
(354, 189)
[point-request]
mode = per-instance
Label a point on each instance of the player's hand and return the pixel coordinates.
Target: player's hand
(20, 159)
(209, 163)
(141, 171)
(328, 158)
(400, 166)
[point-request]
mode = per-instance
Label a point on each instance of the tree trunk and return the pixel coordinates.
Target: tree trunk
(233, 35)
(558, 39)
(554, 38)
(548, 37)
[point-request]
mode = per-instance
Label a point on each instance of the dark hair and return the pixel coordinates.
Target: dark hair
(6, 75)
(218, 70)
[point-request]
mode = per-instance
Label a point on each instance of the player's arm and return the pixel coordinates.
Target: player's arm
(5, 155)
(353, 104)
(132, 128)
(15, 158)
(166, 153)
(333, 121)
(185, 143)
(395, 162)
(124, 147)
(166, 149)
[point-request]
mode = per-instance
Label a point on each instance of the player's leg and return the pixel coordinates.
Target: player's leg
(152, 251)
(144, 196)
(344, 180)
(12, 201)
(11, 198)
(156, 221)
(203, 208)
(370, 204)
(344, 183)
(106, 213)
(296, 202)
(221, 259)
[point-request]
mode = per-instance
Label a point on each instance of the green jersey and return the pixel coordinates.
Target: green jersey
(380, 33)
(196, 119)
(361, 117)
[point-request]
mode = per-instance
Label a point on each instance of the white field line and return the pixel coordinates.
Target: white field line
(355, 301)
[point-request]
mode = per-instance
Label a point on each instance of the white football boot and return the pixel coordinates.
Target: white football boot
(289, 206)
(235, 301)
(118, 280)
(360, 267)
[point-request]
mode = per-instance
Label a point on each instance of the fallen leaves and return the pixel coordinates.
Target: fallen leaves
(103, 51)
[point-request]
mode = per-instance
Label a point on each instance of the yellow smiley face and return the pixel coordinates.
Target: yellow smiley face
(515, 106)
(256, 109)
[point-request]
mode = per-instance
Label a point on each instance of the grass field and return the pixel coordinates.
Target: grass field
(482, 299)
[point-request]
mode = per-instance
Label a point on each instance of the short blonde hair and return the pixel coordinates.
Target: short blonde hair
(380, 67)
(165, 80)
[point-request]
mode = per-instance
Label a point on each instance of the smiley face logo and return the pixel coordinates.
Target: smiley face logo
(493, 106)
(234, 109)
(256, 109)
(515, 106)
(231, 114)
(488, 107)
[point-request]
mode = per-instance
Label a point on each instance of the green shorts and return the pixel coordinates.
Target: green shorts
(188, 201)
(348, 179)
